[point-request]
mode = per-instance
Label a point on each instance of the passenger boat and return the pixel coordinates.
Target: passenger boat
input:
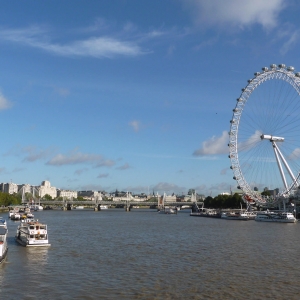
(32, 233)
(235, 216)
(207, 213)
(3, 243)
(272, 216)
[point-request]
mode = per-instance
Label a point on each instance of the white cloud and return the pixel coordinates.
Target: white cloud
(105, 163)
(291, 36)
(102, 175)
(98, 47)
(236, 12)
(80, 171)
(124, 167)
(295, 154)
(136, 125)
(33, 154)
(4, 103)
(73, 158)
(215, 145)
(168, 188)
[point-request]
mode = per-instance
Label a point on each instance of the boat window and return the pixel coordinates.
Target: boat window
(37, 227)
(43, 227)
(31, 227)
(31, 236)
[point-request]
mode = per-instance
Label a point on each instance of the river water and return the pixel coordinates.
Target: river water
(141, 254)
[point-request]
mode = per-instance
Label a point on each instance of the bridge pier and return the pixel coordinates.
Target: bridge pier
(69, 206)
(127, 207)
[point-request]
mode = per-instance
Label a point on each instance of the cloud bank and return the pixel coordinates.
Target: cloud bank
(239, 13)
(97, 46)
(213, 146)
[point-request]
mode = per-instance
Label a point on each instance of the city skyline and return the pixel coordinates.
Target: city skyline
(132, 95)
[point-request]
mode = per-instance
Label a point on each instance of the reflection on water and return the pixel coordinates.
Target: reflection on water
(144, 255)
(37, 255)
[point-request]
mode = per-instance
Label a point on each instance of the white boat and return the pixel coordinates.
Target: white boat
(272, 216)
(3, 243)
(106, 207)
(234, 216)
(168, 211)
(37, 207)
(3, 223)
(79, 207)
(15, 216)
(32, 233)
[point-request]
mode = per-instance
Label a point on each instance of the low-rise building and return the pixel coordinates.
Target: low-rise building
(66, 194)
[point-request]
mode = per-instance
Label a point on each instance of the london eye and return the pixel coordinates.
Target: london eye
(264, 136)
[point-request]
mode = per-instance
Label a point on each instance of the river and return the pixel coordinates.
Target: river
(141, 254)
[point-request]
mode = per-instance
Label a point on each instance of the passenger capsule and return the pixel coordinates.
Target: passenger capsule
(238, 187)
(290, 68)
(249, 80)
(256, 73)
(265, 69)
(297, 74)
(281, 66)
(231, 167)
(273, 66)
(235, 110)
(234, 177)
(239, 99)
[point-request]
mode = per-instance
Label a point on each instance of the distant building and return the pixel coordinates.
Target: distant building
(27, 188)
(46, 189)
(66, 194)
(89, 195)
(9, 188)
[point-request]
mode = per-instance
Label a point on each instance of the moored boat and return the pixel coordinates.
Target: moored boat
(3, 243)
(234, 216)
(16, 216)
(274, 216)
(168, 211)
(106, 207)
(32, 233)
(3, 223)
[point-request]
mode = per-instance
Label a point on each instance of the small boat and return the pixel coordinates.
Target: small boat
(32, 233)
(79, 207)
(168, 211)
(205, 212)
(16, 216)
(3, 243)
(3, 223)
(106, 207)
(272, 216)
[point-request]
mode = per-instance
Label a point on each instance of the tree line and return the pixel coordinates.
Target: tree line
(7, 199)
(224, 201)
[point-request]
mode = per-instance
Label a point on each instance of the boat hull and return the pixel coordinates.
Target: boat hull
(2, 258)
(26, 244)
(218, 216)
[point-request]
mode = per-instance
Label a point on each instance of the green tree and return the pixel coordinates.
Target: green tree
(47, 197)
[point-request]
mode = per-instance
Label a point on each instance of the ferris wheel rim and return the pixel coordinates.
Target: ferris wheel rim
(281, 72)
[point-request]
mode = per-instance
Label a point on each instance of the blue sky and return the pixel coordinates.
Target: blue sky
(132, 94)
